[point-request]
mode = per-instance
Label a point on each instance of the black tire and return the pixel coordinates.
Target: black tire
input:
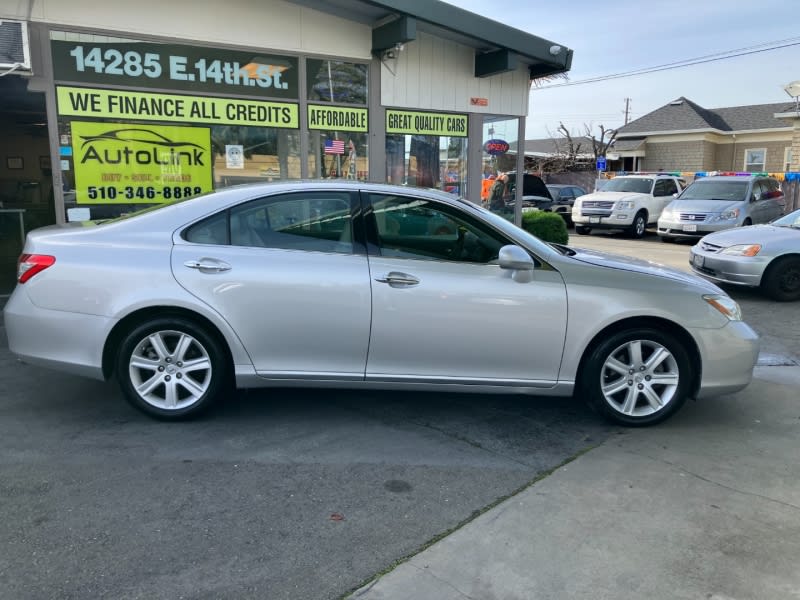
(639, 225)
(747, 222)
(595, 375)
(667, 239)
(582, 230)
(191, 387)
(781, 282)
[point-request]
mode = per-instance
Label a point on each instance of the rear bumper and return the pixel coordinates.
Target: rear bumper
(729, 355)
(66, 341)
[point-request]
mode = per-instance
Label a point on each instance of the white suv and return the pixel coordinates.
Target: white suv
(629, 202)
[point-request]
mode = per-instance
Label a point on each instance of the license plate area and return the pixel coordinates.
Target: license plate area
(691, 228)
(594, 219)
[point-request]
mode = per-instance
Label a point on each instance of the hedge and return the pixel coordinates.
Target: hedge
(547, 226)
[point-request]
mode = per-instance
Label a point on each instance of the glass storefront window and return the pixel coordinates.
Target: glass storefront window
(336, 81)
(427, 161)
(110, 168)
(337, 155)
(497, 185)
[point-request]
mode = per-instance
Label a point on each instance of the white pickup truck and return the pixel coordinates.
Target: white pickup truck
(629, 202)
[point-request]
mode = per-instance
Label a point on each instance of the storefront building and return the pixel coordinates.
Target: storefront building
(111, 108)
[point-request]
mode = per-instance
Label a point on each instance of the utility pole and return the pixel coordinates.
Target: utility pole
(627, 109)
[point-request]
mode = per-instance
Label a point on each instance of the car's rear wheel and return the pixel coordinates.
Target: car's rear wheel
(637, 377)
(639, 225)
(582, 230)
(171, 368)
(782, 280)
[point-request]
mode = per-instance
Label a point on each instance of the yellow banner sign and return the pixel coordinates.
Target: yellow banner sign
(118, 163)
(337, 118)
(421, 123)
(147, 106)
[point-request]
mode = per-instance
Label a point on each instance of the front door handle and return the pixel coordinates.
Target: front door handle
(206, 265)
(395, 278)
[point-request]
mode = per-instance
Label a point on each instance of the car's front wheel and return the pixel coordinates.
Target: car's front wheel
(637, 377)
(782, 280)
(639, 225)
(171, 368)
(582, 230)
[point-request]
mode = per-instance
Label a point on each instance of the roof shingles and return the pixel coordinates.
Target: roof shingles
(684, 115)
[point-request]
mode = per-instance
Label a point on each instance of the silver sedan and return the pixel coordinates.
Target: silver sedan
(365, 285)
(766, 256)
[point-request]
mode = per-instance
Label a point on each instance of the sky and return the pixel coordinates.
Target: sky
(615, 36)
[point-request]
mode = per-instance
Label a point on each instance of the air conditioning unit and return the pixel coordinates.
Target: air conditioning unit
(15, 51)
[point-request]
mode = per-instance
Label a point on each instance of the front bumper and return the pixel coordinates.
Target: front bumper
(66, 341)
(687, 229)
(728, 356)
(613, 220)
(723, 268)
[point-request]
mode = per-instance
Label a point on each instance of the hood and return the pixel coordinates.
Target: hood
(612, 196)
(637, 265)
(755, 234)
(706, 206)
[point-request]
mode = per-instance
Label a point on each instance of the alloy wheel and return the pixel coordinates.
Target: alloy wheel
(170, 370)
(639, 378)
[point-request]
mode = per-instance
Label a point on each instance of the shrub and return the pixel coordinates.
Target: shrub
(547, 226)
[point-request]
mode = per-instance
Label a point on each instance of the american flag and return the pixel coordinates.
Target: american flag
(334, 146)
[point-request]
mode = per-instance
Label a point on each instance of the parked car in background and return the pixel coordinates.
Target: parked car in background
(628, 202)
(765, 256)
(721, 202)
(366, 286)
(535, 193)
(564, 198)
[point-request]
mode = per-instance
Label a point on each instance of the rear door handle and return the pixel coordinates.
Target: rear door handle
(395, 278)
(206, 265)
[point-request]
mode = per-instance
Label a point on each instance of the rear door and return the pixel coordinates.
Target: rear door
(289, 274)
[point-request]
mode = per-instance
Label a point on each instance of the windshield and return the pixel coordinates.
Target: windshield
(628, 184)
(791, 220)
(554, 191)
(716, 190)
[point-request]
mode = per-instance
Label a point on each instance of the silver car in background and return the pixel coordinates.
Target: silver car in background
(721, 202)
(340, 284)
(766, 256)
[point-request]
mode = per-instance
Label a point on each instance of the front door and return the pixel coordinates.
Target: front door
(285, 273)
(443, 310)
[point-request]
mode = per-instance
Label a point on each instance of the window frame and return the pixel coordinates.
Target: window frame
(787, 159)
(763, 163)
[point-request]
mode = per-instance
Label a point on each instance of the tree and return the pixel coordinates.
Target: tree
(600, 146)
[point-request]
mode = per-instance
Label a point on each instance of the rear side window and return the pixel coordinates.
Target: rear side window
(312, 221)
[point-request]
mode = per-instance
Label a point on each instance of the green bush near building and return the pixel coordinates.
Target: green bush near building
(547, 226)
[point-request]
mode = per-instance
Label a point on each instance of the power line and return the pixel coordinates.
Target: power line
(685, 63)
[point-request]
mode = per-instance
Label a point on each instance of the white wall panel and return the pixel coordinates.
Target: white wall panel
(267, 24)
(436, 74)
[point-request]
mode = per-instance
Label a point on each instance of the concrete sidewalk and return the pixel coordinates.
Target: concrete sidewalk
(705, 506)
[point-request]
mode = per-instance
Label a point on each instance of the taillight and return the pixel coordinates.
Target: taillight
(31, 264)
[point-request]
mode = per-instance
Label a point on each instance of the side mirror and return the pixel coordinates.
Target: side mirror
(515, 258)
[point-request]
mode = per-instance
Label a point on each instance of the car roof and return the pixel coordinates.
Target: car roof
(732, 178)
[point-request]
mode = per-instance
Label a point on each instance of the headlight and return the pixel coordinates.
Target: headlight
(742, 250)
(667, 213)
(726, 305)
(728, 215)
(624, 205)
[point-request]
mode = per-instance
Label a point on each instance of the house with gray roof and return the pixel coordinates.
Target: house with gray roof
(684, 136)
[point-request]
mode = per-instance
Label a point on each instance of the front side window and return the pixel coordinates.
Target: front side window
(755, 160)
(311, 221)
(422, 229)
